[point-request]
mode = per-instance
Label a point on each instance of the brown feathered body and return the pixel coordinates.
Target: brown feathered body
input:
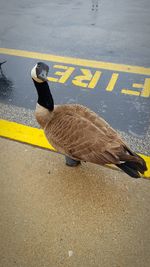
(81, 134)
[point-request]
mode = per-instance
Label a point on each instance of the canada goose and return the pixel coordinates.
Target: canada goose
(79, 133)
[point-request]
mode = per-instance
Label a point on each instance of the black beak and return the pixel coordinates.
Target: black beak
(43, 75)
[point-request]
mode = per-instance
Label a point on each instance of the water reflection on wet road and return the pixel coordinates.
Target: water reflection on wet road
(6, 85)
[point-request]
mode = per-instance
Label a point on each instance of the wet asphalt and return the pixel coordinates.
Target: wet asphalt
(116, 31)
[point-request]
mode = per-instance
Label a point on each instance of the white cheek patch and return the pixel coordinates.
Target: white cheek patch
(34, 76)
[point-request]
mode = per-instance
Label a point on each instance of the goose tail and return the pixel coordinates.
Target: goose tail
(133, 164)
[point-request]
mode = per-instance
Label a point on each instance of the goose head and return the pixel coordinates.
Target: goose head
(39, 76)
(39, 72)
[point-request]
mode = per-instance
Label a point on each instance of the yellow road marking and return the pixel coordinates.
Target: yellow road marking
(86, 76)
(130, 92)
(146, 88)
(36, 137)
(112, 82)
(95, 79)
(23, 133)
(64, 76)
(77, 61)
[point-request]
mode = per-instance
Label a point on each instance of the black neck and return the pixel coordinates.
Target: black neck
(45, 98)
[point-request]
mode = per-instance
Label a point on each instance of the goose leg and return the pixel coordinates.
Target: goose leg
(71, 162)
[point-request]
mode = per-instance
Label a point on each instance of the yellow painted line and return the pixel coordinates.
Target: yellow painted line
(23, 133)
(147, 160)
(112, 82)
(146, 91)
(130, 92)
(77, 61)
(36, 137)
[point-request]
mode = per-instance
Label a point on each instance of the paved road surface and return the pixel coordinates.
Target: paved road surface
(52, 215)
